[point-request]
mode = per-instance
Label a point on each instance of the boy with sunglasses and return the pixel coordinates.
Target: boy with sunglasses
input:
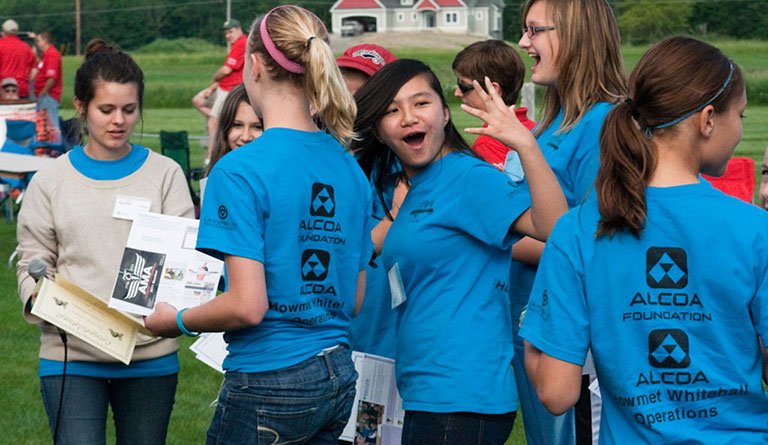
(499, 62)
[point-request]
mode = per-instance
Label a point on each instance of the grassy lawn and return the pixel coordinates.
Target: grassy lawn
(172, 79)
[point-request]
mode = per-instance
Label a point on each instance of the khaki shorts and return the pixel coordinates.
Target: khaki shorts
(219, 97)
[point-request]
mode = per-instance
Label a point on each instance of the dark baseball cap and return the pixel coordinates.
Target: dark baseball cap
(231, 23)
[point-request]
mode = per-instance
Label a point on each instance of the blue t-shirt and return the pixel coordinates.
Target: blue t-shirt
(672, 318)
(574, 157)
(298, 203)
(451, 242)
(373, 330)
(99, 170)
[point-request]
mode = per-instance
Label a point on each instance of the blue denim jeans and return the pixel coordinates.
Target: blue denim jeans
(306, 403)
(424, 428)
(141, 408)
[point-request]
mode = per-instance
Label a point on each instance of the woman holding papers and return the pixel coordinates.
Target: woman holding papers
(68, 220)
(448, 252)
(295, 244)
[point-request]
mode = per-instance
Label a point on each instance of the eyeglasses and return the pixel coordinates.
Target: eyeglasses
(464, 87)
(531, 31)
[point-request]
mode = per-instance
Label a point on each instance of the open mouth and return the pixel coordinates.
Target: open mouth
(536, 60)
(414, 139)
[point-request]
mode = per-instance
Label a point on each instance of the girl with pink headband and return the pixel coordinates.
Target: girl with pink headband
(296, 246)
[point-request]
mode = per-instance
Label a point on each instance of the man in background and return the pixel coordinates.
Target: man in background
(9, 89)
(228, 76)
(17, 59)
(48, 81)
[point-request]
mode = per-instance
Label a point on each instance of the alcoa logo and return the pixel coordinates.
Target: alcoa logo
(323, 201)
(668, 348)
(666, 267)
(314, 264)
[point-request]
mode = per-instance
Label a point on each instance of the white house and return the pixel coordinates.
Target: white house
(477, 17)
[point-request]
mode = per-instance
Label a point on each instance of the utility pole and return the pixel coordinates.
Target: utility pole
(229, 16)
(77, 27)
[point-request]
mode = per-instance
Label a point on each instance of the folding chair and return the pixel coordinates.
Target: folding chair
(175, 145)
(20, 132)
(20, 139)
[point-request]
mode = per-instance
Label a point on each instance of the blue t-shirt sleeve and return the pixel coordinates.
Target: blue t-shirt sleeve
(759, 305)
(490, 203)
(232, 217)
(557, 317)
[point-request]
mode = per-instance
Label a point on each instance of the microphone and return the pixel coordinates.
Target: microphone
(37, 269)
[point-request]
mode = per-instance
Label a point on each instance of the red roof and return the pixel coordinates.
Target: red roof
(449, 3)
(427, 4)
(358, 4)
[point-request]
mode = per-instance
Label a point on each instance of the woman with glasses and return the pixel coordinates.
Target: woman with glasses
(576, 52)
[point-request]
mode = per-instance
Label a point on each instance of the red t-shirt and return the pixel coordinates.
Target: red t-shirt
(16, 60)
(235, 60)
(494, 152)
(50, 68)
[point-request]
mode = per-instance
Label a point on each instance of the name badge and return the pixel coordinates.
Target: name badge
(513, 168)
(128, 207)
(396, 286)
(594, 387)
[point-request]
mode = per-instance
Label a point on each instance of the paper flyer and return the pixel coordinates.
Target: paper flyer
(160, 264)
(377, 413)
(72, 309)
(211, 349)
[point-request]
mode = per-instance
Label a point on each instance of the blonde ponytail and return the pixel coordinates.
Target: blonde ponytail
(294, 43)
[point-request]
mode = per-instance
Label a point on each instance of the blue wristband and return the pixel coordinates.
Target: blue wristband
(182, 328)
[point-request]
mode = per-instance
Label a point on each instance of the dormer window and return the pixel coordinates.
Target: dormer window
(406, 2)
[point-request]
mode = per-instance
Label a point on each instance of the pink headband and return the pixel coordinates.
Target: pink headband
(276, 54)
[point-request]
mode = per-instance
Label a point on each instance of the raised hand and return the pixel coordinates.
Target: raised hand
(502, 124)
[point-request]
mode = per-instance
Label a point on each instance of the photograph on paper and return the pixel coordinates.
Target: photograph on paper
(160, 264)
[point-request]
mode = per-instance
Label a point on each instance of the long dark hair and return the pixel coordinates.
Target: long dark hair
(673, 80)
(227, 116)
(376, 159)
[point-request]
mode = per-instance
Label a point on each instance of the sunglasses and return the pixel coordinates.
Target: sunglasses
(464, 87)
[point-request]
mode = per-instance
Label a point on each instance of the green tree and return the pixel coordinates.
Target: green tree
(648, 21)
(747, 19)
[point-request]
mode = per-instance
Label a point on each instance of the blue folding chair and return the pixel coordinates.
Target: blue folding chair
(21, 132)
(20, 139)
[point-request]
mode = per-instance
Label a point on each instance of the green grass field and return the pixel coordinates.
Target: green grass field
(173, 74)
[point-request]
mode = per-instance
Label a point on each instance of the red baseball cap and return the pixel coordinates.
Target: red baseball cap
(365, 57)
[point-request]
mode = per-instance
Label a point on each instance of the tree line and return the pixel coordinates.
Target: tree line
(135, 23)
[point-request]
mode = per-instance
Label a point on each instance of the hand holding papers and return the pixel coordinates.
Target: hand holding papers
(160, 264)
